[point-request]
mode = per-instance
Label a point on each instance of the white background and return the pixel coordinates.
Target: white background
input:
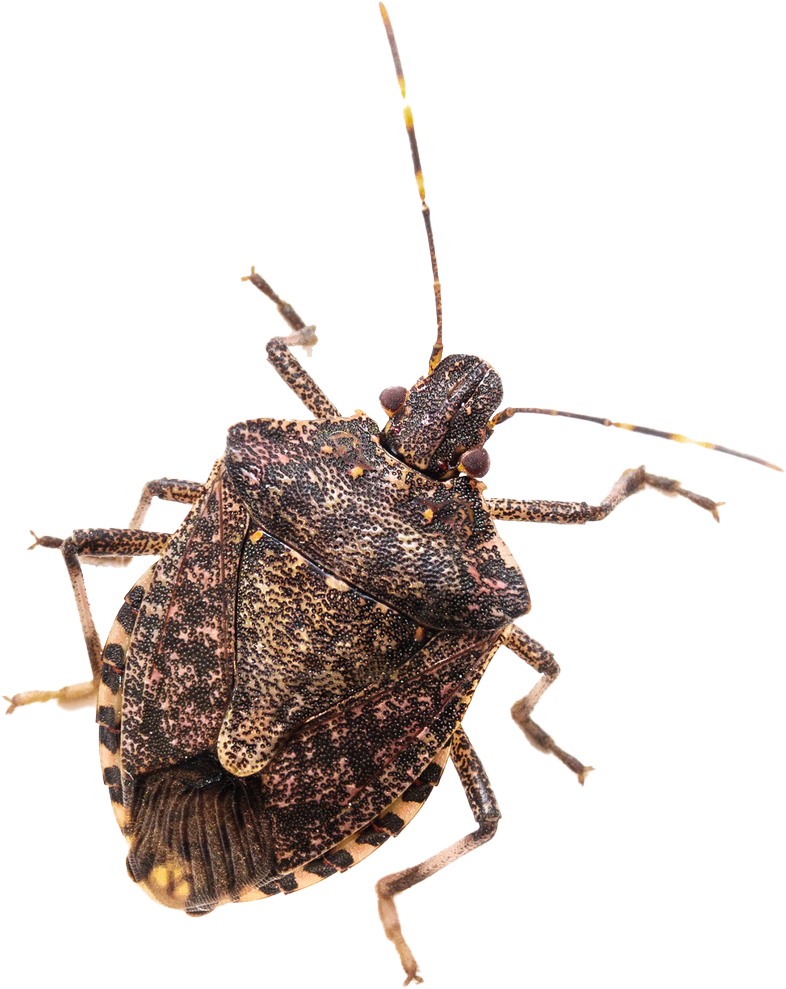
(606, 185)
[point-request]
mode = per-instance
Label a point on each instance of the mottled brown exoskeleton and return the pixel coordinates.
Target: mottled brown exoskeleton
(383, 590)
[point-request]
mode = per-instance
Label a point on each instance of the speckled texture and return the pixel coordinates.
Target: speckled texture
(180, 664)
(425, 547)
(305, 642)
(445, 413)
(249, 681)
(343, 768)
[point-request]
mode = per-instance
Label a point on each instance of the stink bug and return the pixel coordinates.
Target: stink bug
(520, 452)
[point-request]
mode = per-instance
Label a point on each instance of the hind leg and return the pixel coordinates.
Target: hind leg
(485, 810)
(91, 543)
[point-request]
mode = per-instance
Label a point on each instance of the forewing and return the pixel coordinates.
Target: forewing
(180, 664)
(341, 769)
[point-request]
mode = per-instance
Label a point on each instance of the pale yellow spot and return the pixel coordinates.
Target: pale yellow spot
(256, 536)
(422, 191)
(624, 425)
(164, 877)
(182, 891)
(428, 515)
(410, 123)
(336, 584)
(356, 472)
(680, 439)
(160, 875)
(326, 449)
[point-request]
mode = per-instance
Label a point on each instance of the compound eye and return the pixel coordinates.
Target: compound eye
(476, 462)
(392, 399)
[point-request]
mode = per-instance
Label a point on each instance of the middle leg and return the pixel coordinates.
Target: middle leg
(90, 543)
(543, 662)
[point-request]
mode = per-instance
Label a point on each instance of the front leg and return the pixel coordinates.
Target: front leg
(579, 512)
(284, 361)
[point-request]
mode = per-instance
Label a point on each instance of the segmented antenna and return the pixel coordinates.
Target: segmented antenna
(436, 350)
(506, 414)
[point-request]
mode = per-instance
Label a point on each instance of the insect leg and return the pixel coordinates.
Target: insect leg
(90, 542)
(97, 543)
(282, 359)
(579, 512)
(167, 489)
(543, 662)
(485, 810)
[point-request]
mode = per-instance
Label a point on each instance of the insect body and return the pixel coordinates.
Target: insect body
(315, 732)
(336, 701)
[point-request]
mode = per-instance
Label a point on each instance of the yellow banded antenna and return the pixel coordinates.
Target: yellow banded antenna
(506, 414)
(436, 350)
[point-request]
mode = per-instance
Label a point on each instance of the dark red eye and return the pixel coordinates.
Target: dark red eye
(476, 462)
(392, 399)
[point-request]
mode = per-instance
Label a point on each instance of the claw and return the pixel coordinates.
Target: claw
(247, 278)
(48, 542)
(584, 773)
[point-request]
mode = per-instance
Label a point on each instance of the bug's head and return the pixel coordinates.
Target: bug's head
(440, 425)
